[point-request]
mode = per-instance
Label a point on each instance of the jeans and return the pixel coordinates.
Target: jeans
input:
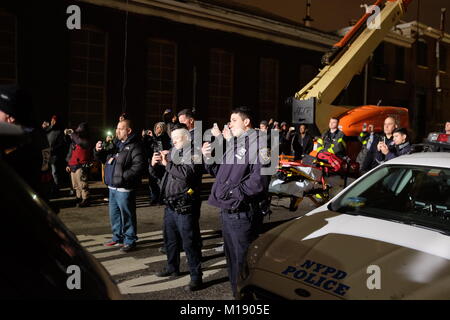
(239, 230)
(180, 232)
(122, 215)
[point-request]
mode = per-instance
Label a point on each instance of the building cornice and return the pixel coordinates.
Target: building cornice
(227, 20)
(410, 30)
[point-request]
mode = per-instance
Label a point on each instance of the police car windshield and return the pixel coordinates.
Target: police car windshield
(409, 194)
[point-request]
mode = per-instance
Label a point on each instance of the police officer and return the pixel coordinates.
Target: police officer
(332, 140)
(179, 188)
(240, 190)
(187, 117)
(375, 156)
(29, 158)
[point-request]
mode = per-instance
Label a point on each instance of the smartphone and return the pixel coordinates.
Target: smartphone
(215, 125)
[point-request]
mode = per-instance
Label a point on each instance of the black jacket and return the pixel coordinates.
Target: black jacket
(57, 143)
(374, 157)
(333, 142)
(124, 163)
(156, 144)
(29, 158)
(400, 150)
(302, 146)
(179, 177)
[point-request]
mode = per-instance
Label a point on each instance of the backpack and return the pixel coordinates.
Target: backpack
(333, 160)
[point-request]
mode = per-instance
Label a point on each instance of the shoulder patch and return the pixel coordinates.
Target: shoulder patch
(264, 154)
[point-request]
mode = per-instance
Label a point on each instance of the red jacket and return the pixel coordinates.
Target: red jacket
(79, 156)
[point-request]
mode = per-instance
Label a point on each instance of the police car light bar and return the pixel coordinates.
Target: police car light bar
(439, 137)
(444, 138)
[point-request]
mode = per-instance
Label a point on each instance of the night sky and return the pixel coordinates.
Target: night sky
(331, 15)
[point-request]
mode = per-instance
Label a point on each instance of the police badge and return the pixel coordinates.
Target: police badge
(264, 153)
(241, 153)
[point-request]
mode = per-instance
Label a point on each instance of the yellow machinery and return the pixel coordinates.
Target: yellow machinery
(312, 104)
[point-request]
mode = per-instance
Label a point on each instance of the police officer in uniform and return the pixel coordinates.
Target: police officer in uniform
(187, 117)
(240, 190)
(179, 190)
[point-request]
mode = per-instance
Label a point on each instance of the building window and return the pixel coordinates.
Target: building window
(161, 79)
(422, 53)
(8, 60)
(442, 58)
(268, 88)
(220, 84)
(400, 63)
(88, 77)
(307, 72)
(379, 66)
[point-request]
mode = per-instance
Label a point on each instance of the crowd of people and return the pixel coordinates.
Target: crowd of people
(168, 156)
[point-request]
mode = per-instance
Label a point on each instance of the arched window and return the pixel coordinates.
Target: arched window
(221, 65)
(161, 85)
(8, 48)
(422, 53)
(268, 88)
(87, 94)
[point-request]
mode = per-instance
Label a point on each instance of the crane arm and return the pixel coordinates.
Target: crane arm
(347, 58)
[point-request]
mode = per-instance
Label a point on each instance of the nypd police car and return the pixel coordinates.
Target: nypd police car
(385, 236)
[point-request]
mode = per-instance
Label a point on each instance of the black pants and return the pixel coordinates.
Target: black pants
(153, 188)
(179, 233)
(239, 230)
(196, 209)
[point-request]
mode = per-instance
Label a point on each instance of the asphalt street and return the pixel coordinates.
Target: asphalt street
(134, 272)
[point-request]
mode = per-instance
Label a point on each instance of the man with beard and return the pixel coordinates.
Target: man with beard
(125, 165)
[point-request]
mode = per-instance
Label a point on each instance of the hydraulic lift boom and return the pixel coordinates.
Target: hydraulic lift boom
(313, 103)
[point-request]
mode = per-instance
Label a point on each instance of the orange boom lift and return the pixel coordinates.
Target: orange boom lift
(313, 103)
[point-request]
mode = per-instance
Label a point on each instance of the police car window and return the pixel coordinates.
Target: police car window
(416, 195)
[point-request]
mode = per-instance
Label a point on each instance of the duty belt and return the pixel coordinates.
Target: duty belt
(243, 207)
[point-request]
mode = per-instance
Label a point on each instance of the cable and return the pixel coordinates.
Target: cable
(124, 99)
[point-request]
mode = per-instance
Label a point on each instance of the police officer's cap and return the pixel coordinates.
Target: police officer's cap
(15, 102)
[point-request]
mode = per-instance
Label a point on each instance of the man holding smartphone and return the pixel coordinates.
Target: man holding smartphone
(124, 167)
(381, 143)
(180, 191)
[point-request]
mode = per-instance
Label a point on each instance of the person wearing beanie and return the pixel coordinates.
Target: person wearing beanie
(78, 160)
(58, 151)
(29, 158)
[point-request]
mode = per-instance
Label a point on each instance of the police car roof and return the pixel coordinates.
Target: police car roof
(428, 159)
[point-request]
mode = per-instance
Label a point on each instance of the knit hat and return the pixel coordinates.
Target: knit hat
(15, 102)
